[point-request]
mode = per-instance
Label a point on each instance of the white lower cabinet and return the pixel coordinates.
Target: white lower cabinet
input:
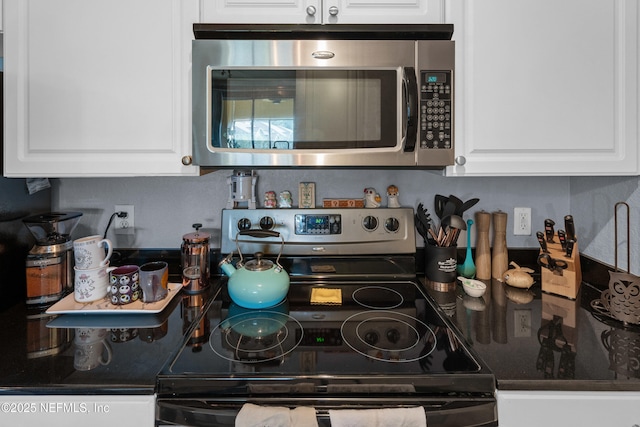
(545, 87)
(97, 88)
(566, 408)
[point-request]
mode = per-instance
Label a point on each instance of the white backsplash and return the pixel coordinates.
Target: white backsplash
(166, 207)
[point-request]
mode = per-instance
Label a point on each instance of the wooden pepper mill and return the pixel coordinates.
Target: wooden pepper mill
(499, 255)
(483, 247)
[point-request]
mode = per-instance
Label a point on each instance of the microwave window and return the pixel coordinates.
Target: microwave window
(303, 109)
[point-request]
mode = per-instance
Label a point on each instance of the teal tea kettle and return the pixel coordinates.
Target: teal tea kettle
(258, 283)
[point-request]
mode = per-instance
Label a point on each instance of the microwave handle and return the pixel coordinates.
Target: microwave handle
(410, 92)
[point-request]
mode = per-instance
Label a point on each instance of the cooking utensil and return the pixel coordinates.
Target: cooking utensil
(542, 241)
(457, 203)
(467, 205)
(438, 203)
(421, 228)
(454, 221)
(423, 225)
(548, 229)
(555, 265)
(449, 209)
(468, 268)
(450, 227)
(260, 283)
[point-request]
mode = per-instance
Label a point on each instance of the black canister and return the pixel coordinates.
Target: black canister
(441, 263)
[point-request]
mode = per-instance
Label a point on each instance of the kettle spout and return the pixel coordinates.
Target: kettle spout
(226, 266)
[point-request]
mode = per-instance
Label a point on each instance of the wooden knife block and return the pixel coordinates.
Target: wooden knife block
(567, 284)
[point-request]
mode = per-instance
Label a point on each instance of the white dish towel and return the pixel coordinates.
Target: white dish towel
(275, 416)
(387, 417)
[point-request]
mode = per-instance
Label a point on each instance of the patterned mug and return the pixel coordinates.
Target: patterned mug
(124, 285)
(89, 252)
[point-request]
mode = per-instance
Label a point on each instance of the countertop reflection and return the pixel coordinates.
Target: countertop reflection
(533, 340)
(93, 353)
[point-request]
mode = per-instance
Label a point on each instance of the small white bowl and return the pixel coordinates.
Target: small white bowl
(473, 288)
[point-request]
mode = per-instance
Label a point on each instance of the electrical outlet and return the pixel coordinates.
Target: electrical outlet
(522, 221)
(124, 225)
(522, 323)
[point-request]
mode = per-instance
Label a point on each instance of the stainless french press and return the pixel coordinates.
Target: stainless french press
(195, 261)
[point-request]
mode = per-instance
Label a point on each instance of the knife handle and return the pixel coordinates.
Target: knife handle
(569, 226)
(542, 241)
(548, 229)
(569, 250)
(562, 236)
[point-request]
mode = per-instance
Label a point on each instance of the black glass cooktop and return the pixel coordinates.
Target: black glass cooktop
(326, 338)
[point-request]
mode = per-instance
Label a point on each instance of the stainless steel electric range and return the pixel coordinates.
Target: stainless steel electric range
(356, 330)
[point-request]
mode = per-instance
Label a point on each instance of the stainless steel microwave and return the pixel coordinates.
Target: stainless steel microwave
(323, 95)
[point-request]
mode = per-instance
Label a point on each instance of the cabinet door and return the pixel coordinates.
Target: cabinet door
(546, 87)
(558, 408)
(252, 12)
(319, 12)
(97, 88)
(383, 11)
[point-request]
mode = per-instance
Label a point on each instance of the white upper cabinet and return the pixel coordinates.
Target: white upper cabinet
(97, 88)
(546, 87)
(322, 12)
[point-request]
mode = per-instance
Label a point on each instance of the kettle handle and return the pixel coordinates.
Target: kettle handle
(259, 233)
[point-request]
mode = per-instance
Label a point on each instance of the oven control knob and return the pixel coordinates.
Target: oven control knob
(370, 222)
(244, 224)
(393, 336)
(267, 223)
(392, 225)
(371, 337)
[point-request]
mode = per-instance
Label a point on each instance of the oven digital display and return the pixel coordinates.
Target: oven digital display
(309, 224)
(320, 337)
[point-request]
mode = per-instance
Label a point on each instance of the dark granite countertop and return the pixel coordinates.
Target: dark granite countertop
(550, 342)
(42, 353)
(589, 352)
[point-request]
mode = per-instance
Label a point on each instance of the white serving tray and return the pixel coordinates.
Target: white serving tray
(68, 305)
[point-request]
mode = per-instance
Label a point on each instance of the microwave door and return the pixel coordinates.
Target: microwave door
(306, 109)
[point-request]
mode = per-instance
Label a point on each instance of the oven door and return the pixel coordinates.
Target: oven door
(304, 102)
(449, 411)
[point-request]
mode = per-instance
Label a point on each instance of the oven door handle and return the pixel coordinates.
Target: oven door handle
(410, 95)
(455, 411)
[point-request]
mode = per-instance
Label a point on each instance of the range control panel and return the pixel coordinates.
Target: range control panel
(435, 109)
(322, 231)
(315, 224)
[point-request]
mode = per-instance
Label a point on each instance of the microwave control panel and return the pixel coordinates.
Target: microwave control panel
(435, 109)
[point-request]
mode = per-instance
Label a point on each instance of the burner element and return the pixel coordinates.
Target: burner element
(377, 297)
(256, 336)
(388, 336)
